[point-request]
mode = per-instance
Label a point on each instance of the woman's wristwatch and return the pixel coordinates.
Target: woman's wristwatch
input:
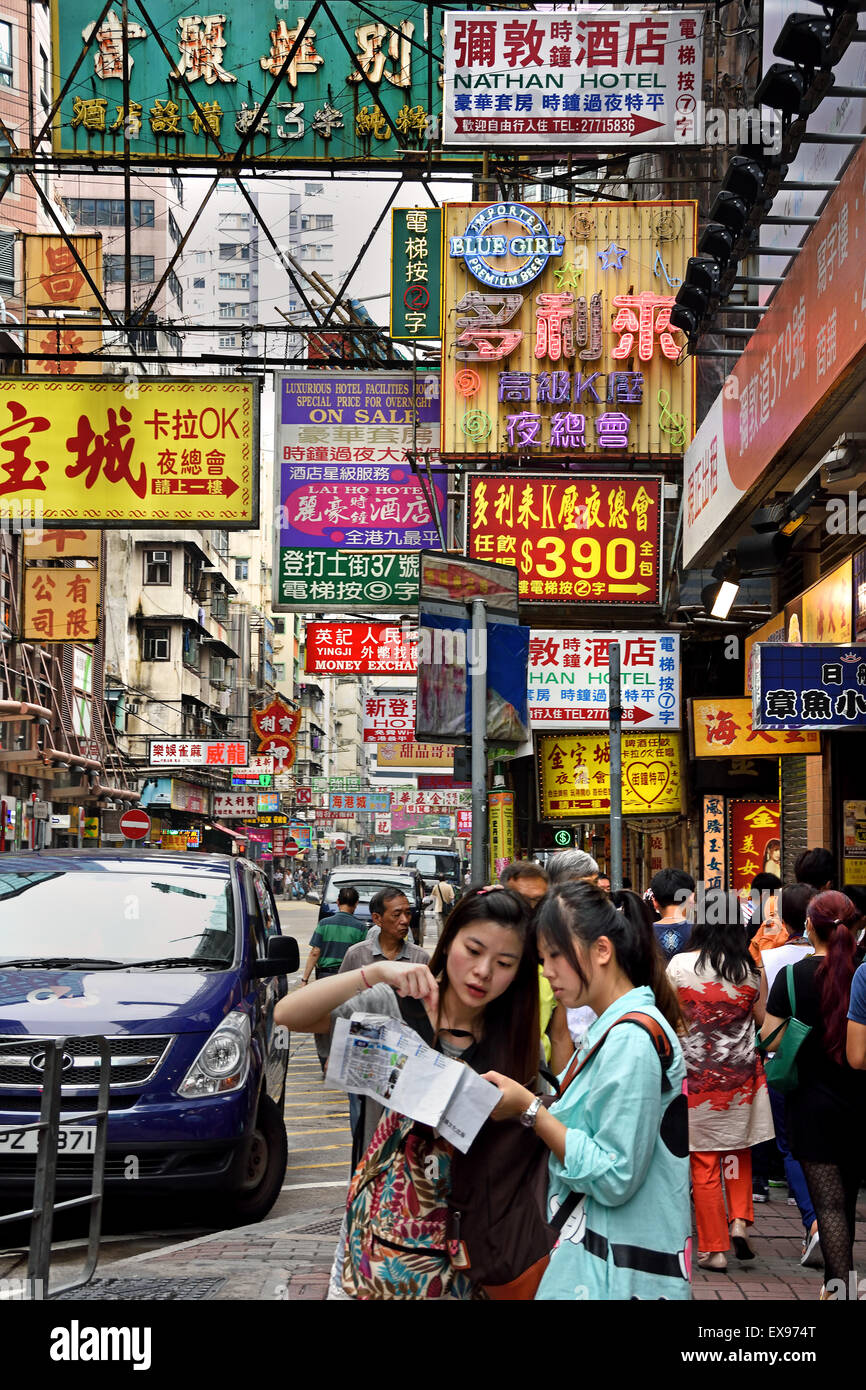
(530, 1114)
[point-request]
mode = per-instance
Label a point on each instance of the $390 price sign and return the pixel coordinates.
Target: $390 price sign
(590, 540)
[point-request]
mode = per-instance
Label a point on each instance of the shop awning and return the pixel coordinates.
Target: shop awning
(225, 830)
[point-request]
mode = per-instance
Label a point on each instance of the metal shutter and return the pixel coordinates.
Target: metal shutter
(794, 813)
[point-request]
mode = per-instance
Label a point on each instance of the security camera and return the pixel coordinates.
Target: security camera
(846, 459)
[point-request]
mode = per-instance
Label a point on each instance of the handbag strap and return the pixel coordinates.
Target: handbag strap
(792, 1002)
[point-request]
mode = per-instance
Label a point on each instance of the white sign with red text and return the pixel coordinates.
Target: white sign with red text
(568, 676)
(389, 719)
(425, 803)
(231, 805)
(199, 753)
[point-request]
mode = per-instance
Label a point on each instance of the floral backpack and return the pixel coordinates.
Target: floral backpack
(396, 1214)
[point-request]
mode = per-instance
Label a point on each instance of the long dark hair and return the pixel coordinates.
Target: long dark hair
(832, 915)
(580, 911)
(512, 1031)
(725, 948)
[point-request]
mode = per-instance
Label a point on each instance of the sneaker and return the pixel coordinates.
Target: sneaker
(792, 1201)
(760, 1192)
(811, 1251)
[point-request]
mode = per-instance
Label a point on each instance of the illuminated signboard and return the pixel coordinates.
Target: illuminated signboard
(198, 753)
(574, 774)
(362, 648)
(556, 333)
(808, 686)
(584, 540)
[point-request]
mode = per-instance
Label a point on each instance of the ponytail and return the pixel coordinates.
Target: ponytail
(831, 916)
(583, 911)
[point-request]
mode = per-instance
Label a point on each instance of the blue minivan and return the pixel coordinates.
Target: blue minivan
(178, 961)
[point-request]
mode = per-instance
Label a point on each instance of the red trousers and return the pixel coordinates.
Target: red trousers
(714, 1209)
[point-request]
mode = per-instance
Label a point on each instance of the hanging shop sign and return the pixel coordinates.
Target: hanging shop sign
(854, 841)
(569, 678)
(233, 805)
(267, 803)
(198, 753)
(464, 822)
(277, 728)
(362, 84)
(416, 273)
(260, 771)
(389, 718)
(61, 605)
(421, 803)
(343, 482)
(177, 453)
(556, 333)
(186, 796)
(808, 686)
(54, 284)
(754, 830)
(449, 652)
(359, 801)
(798, 357)
(414, 755)
(360, 648)
(594, 78)
(57, 544)
(723, 728)
(587, 540)
(715, 861)
(500, 812)
(574, 775)
(383, 825)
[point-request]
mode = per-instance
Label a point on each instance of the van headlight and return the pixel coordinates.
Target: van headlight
(224, 1061)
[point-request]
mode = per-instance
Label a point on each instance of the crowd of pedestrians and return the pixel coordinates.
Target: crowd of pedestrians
(621, 1033)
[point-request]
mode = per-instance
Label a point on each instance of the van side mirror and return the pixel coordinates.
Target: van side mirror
(283, 958)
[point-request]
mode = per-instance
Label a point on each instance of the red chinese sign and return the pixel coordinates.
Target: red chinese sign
(198, 753)
(589, 540)
(755, 840)
(277, 727)
(362, 648)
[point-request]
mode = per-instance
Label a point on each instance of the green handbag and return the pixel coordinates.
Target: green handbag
(781, 1069)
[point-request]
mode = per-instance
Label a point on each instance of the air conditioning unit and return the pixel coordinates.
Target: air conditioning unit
(158, 557)
(132, 709)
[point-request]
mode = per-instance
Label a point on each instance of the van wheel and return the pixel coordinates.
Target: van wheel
(265, 1167)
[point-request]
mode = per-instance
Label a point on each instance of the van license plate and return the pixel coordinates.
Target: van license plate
(80, 1139)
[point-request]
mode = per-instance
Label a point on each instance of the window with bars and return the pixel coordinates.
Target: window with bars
(7, 264)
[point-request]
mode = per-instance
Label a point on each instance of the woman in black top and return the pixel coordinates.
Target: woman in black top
(826, 1112)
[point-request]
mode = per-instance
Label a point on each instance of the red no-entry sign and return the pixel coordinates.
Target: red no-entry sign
(292, 848)
(135, 825)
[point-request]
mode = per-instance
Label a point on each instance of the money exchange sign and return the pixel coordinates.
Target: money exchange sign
(178, 453)
(359, 86)
(362, 648)
(345, 491)
(416, 273)
(569, 679)
(574, 775)
(557, 331)
(590, 77)
(589, 540)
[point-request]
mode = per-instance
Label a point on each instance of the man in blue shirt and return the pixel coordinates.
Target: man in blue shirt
(672, 895)
(856, 1045)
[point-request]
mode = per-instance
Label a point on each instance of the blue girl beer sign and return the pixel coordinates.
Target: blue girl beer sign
(479, 245)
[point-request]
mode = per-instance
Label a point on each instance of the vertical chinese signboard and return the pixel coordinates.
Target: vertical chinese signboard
(557, 341)
(500, 809)
(361, 84)
(351, 511)
(178, 453)
(55, 285)
(755, 843)
(590, 77)
(61, 605)
(574, 540)
(715, 864)
(416, 273)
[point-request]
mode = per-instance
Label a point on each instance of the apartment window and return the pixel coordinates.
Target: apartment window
(219, 605)
(318, 222)
(177, 185)
(200, 258)
(157, 567)
(229, 340)
(191, 649)
(44, 83)
(234, 251)
(191, 574)
(199, 282)
(279, 627)
(233, 311)
(176, 288)
(235, 221)
(230, 280)
(7, 264)
(6, 55)
(156, 644)
(279, 670)
(142, 268)
(242, 569)
(314, 190)
(108, 212)
(173, 229)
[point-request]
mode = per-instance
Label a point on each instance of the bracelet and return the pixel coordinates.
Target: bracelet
(367, 984)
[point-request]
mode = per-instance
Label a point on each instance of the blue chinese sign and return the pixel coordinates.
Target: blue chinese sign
(808, 686)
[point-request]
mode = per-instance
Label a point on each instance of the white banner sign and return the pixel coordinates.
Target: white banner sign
(389, 719)
(591, 77)
(199, 753)
(234, 804)
(425, 803)
(569, 679)
(383, 825)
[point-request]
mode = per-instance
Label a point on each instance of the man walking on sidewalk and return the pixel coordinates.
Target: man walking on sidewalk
(328, 945)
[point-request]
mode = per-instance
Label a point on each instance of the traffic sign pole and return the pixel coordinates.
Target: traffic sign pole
(615, 867)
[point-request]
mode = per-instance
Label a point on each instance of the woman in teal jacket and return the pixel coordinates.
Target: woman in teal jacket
(618, 1135)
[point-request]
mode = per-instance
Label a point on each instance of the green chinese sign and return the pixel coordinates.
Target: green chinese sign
(359, 85)
(416, 273)
(346, 580)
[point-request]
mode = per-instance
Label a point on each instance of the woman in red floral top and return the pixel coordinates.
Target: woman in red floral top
(729, 1108)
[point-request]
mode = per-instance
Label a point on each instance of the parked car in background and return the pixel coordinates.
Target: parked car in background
(178, 962)
(370, 880)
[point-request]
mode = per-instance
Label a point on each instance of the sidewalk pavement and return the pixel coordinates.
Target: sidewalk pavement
(289, 1258)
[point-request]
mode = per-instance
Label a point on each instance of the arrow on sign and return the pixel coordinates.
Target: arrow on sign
(636, 715)
(628, 588)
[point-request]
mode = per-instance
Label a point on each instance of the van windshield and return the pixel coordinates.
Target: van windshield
(115, 917)
(431, 864)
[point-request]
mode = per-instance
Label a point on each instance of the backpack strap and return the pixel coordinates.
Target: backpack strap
(651, 1026)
